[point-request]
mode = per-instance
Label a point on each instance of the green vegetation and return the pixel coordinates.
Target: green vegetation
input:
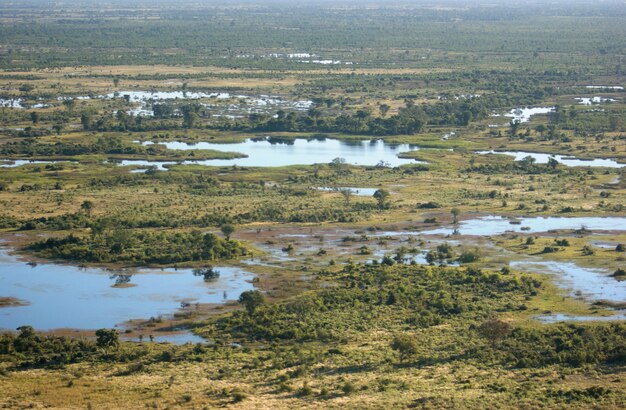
(376, 332)
(123, 246)
(353, 305)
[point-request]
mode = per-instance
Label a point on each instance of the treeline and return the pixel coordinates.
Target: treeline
(410, 119)
(137, 247)
(102, 145)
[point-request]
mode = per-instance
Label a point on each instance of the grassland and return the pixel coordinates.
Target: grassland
(346, 320)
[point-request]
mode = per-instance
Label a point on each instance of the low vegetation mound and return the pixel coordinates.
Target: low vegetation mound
(138, 247)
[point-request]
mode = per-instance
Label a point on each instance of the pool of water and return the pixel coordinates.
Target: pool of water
(175, 338)
(419, 258)
(560, 317)
(13, 163)
(11, 103)
(569, 161)
(64, 296)
(497, 225)
(604, 87)
(593, 284)
(523, 115)
(594, 100)
(144, 165)
(272, 152)
(353, 190)
(220, 104)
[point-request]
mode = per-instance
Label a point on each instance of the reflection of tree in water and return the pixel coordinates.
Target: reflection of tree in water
(121, 278)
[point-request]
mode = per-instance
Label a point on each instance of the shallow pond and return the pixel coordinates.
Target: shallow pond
(13, 163)
(353, 190)
(175, 338)
(593, 100)
(523, 115)
(497, 225)
(594, 284)
(560, 317)
(272, 152)
(219, 104)
(11, 103)
(420, 258)
(604, 87)
(64, 296)
(541, 158)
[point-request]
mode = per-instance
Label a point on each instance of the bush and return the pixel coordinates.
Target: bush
(348, 388)
(405, 344)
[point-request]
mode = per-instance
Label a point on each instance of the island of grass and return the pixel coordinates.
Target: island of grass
(139, 247)
(9, 302)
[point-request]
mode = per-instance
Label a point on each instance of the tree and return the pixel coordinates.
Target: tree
(26, 332)
(208, 273)
(190, 115)
(87, 206)
(106, 338)
(381, 195)
(338, 163)
(69, 104)
(455, 214)
(347, 194)
(527, 161)
(86, 121)
(540, 129)
(405, 344)
(552, 163)
(251, 300)
(494, 330)
(384, 109)
(227, 230)
(362, 115)
(515, 124)
(34, 117)
(57, 128)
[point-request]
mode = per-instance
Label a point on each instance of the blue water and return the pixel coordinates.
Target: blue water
(569, 161)
(268, 152)
(497, 225)
(64, 296)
